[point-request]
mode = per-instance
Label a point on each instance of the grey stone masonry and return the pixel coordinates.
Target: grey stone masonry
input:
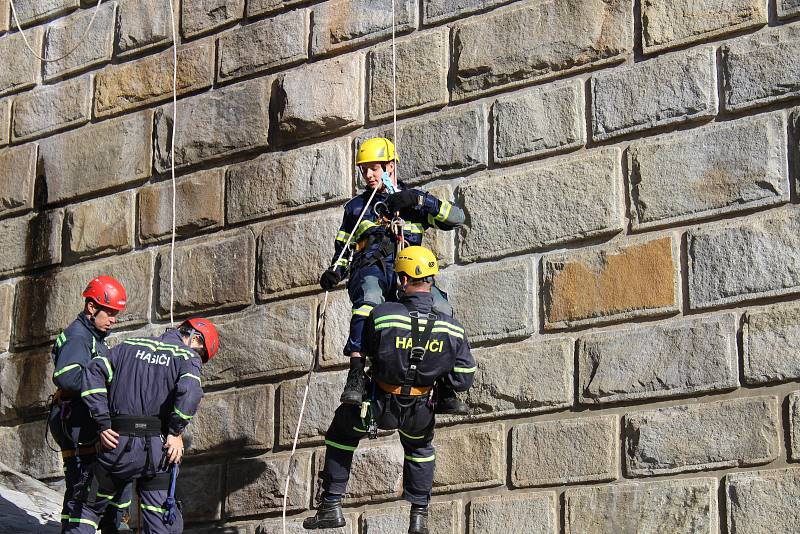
(434, 11)
(763, 502)
(202, 16)
(119, 151)
(712, 171)
(762, 70)
(770, 339)
(444, 517)
(714, 435)
(532, 513)
(199, 490)
(670, 89)
(323, 399)
(17, 178)
(377, 472)
(794, 426)
(96, 48)
(100, 226)
(672, 23)
(676, 506)
(539, 122)
(470, 458)
(35, 458)
(542, 193)
(565, 451)
(275, 42)
(51, 108)
(20, 71)
(345, 24)
(30, 241)
(255, 485)
(30, 12)
(6, 315)
(293, 526)
(766, 263)
(5, 121)
(538, 41)
(5, 16)
(788, 8)
(141, 25)
(335, 330)
(260, 7)
(421, 64)
(655, 362)
(25, 383)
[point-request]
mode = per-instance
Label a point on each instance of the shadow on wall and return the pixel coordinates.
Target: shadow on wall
(14, 518)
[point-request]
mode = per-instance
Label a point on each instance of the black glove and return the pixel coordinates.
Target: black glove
(404, 199)
(329, 279)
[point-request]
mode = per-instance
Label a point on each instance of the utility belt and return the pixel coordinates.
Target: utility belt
(136, 425)
(413, 391)
(80, 451)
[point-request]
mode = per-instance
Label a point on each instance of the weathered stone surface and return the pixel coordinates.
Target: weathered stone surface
(213, 275)
(753, 258)
(533, 513)
(234, 420)
(441, 243)
(96, 47)
(553, 213)
(199, 489)
(275, 339)
(333, 102)
(434, 11)
(35, 458)
(5, 16)
(199, 206)
(28, 506)
(444, 517)
(5, 121)
(661, 361)
(19, 71)
(30, 12)
(494, 300)
(421, 73)
(377, 473)
(282, 182)
(202, 16)
(142, 24)
(259, 7)
(52, 108)
(242, 528)
(30, 241)
(17, 178)
(671, 23)
(46, 303)
(762, 70)
(128, 86)
(670, 89)
(714, 435)
(345, 24)
(255, 485)
(275, 42)
(565, 451)
(111, 154)
(770, 338)
(794, 426)
(100, 226)
(527, 377)
(484, 445)
(335, 329)
(537, 42)
(295, 526)
(149, 330)
(677, 506)
(788, 8)
(539, 122)
(214, 125)
(323, 399)
(710, 171)
(615, 282)
(6, 314)
(763, 502)
(25, 382)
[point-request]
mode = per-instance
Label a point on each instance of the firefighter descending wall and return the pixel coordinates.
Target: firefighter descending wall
(628, 275)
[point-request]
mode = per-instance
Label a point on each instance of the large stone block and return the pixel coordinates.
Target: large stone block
(6, 315)
(128, 86)
(199, 489)
(615, 282)
(335, 329)
(714, 435)
(659, 361)
(141, 25)
(788, 8)
(485, 448)
(30, 12)
(199, 206)
(708, 172)
(202, 16)
(527, 377)
(4, 16)
(421, 65)
(537, 42)
(676, 506)
(293, 526)
(332, 103)
(434, 11)
(5, 121)
(17, 178)
(234, 420)
(377, 472)
(565, 451)
(346, 24)
(554, 214)
(539, 122)
(241, 528)
(763, 502)
(747, 259)
(30, 241)
(794, 426)
(51, 108)
(670, 89)
(260, 7)
(272, 340)
(322, 401)
(214, 125)
(275, 42)
(46, 303)
(672, 23)
(20, 71)
(96, 47)
(34, 458)
(25, 383)
(100, 226)
(444, 518)
(442, 244)
(769, 338)
(282, 182)
(111, 154)
(533, 513)
(209, 275)
(255, 485)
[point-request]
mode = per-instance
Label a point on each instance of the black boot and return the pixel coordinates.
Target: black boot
(418, 520)
(448, 403)
(354, 388)
(329, 515)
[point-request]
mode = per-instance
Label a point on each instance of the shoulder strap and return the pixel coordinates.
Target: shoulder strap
(419, 342)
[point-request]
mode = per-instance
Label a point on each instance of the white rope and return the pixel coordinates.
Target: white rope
(172, 161)
(73, 49)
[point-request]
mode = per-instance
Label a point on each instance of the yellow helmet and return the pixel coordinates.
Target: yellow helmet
(376, 149)
(416, 262)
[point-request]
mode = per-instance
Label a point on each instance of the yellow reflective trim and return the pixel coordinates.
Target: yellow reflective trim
(344, 262)
(182, 415)
(363, 310)
(390, 325)
(93, 391)
(120, 505)
(363, 226)
(61, 339)
(104, 495)
(447, 331)
(409, 436)
(464, 369)
(152, 508)
(190, 375)
(342, 236)
(444, 211)
(384, 318)
(108, 367)
(364, 430)
(65, 369)
(339, 446)
(414, 228)
(84, 521)
(420, 460)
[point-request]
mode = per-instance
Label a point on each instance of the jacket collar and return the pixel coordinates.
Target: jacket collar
(89, 325)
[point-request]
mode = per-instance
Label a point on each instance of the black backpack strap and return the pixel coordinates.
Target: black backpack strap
(419, 343)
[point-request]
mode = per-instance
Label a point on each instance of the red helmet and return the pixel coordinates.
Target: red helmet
(209, 331)
(107, 292)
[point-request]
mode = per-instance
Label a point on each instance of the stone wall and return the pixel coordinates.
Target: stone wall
(629, 274)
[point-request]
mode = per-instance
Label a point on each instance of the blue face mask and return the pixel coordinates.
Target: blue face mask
(387, 181)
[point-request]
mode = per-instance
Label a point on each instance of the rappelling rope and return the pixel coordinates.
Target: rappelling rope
(172, 160)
